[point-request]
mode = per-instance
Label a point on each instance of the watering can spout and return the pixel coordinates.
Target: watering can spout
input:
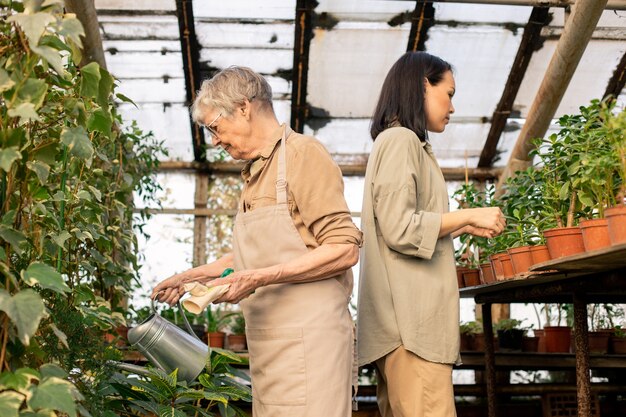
(169, 347)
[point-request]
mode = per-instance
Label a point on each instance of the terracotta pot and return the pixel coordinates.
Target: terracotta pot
(599, 341)
(521, 259)
(459, 276)
(510, 340)
(507, 266)
(478, 342)
(216, 339)
(471, 277)
(237, 342)
(539, 333)
(530, 344)
(486, 273)
(564, 241)
(539, 254)
(466, 342)
(558, 338)
(618, 345)
(496, 266)
(595, 233)
(616, 217)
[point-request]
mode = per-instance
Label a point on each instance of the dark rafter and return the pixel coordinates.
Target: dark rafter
(617, 81)
(302, 42)
(191, 67)
(531, 40)
(422, 19)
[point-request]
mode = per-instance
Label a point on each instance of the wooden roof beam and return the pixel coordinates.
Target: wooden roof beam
(191, 66)
(422, 18)
(530, 42)
(569, 50)
(610, 5)
(302, 42)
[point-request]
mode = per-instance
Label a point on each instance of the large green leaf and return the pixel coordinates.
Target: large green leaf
(14, 237)
(33, 91)
(10, 403)
(54, 394)
(72, 28)
(33, 25)
(52, 56)
(100, 121)
(90, 80)
(46, 276)
(25, 309)
(8, 156)
(78, 142)
(105, 88)
(6, 83)
(19, 379)
(26, 112)
(41, 169)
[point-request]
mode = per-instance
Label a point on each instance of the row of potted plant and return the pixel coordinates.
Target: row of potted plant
(570, 201)
(604, 335)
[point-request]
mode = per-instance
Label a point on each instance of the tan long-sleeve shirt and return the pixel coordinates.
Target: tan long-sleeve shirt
(408, 294)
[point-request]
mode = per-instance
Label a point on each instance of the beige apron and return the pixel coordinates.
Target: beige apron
(299, 335)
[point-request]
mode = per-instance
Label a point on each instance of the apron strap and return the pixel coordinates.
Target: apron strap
(281, 177)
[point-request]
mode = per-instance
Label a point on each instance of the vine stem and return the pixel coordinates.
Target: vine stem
(62, 214)
(5, 336)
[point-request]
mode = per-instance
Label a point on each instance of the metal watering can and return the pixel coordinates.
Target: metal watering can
(168, 347)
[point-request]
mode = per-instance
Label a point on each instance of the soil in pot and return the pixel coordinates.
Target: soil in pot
(564, 241)
(471, 277)
(539, 254)
(486, 273)
(616, 217)
(521, 259)
(510, 340)
(595, 234)
(557, 338)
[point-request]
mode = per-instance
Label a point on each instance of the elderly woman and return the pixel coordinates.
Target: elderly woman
(293, 246)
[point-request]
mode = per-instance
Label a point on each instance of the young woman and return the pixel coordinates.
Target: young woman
(408, 311)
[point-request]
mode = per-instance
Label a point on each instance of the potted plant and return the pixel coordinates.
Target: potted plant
(216, 321)
(557, 337)
(616, 215)
(237, 336)
(510, 333)
(522, 203)
(560, 198)
(601, 325)
(470, 332)
(618, 341)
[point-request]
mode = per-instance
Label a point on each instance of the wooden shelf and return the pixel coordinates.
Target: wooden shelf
(534, 360)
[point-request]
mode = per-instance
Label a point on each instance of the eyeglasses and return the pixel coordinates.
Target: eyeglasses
(210, 127)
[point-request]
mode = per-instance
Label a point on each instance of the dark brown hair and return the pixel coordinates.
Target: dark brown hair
(402, 95)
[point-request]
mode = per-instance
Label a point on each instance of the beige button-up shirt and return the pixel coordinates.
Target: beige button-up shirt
(408, 294)
(315, 190)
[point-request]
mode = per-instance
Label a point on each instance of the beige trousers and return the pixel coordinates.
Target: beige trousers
(409, 386)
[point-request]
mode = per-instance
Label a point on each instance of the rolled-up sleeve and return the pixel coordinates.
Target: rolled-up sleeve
(316, 182)
(405, 226)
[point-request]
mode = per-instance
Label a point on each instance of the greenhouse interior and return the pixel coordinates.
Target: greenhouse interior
(110, 184)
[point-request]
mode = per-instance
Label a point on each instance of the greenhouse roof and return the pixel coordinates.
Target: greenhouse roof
(326, 61)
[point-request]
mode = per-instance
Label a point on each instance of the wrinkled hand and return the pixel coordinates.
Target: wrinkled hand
(242, 284)
(488, 222)
(170, 290)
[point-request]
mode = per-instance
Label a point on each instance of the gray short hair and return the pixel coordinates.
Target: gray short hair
(229, 88)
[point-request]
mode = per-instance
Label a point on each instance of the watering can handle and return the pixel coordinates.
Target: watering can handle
(182, 312)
